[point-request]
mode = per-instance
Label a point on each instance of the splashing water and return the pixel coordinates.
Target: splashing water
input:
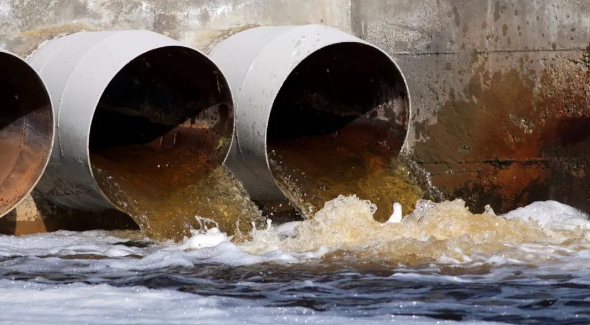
(305, 170)
(441, 233)
(166, 210)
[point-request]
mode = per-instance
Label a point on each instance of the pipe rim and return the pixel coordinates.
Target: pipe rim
(390, 59)
(201, 56)
(52, 130)
(372, 47)
(255, 162)
(79, 67)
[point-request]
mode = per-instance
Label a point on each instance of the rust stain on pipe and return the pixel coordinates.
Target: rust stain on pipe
(26, 130)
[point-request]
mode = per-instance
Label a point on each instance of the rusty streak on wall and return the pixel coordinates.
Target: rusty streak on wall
(500, 93)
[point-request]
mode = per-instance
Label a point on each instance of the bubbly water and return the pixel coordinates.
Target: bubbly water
(440, 265)
(164, 192)
(314, 170)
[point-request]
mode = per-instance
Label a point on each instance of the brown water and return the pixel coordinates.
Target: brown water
(165, 190)
(433, 233)
(314, 170)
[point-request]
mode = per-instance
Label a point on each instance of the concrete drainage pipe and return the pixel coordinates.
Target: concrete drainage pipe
(318, 113)
(138, 115)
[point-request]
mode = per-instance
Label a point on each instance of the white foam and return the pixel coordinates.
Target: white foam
(62, 243)
(210, 238)
(552, 215)
(288, 229)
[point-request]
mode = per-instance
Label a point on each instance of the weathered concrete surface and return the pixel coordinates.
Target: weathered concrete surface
(500, 93)
(24, 24)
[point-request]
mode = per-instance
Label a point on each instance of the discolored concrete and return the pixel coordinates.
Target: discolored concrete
(25, 24)
(500, 94)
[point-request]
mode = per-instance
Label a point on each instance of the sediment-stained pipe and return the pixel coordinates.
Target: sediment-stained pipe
(297, 88)
(26, 130)
(134, 105)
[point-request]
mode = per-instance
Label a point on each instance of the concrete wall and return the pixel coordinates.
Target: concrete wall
(500, 93)
(500, 89)
(24, 24)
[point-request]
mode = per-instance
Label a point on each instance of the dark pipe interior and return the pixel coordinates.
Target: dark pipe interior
(26, 130)
(337, 86)
(340, 118)
(164, 121)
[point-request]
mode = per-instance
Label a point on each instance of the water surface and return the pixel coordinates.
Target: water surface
(441, 265)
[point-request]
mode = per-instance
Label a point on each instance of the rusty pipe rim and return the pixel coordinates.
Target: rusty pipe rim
(26, 130)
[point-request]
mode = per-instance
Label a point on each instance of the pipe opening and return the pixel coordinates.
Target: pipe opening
(164, 123)
(336, 125)
(26, 130)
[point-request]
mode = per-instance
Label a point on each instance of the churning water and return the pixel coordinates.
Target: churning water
(441, 265)
(164, 192)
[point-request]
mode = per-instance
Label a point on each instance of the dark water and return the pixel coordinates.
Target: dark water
(516, 298)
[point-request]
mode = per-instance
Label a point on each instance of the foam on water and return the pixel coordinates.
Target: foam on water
(203, 239)
(344, 229)
(551, 215)
(446, 233)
